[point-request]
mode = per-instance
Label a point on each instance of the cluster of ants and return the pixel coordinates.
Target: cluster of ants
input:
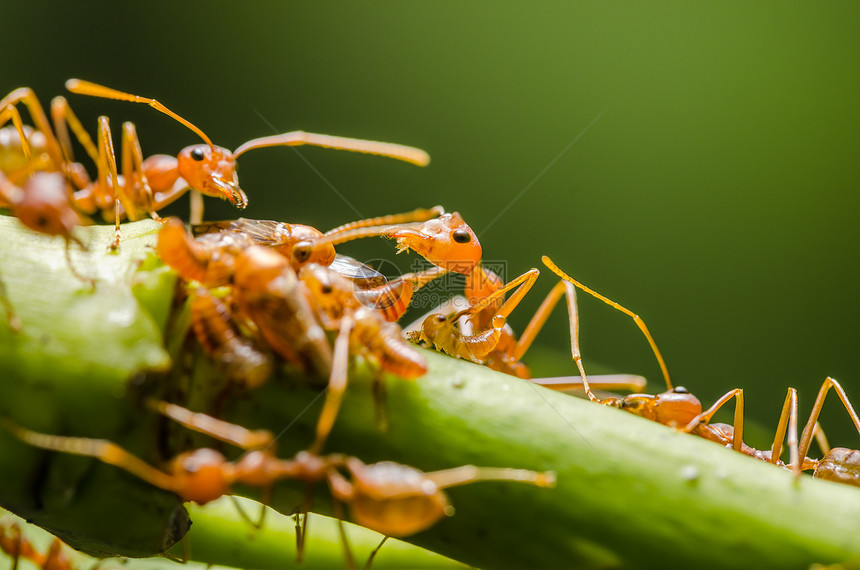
(262, 293)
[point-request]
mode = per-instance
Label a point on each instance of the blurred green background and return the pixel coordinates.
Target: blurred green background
(696, 163)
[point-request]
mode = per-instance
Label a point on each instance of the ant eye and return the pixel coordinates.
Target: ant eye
(326, 288)
(302, 251)
(462, 236)
(197, 154)
(441, 318)
(681, 390)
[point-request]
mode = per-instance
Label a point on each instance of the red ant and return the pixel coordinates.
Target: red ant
(839, 464)
(678, 408)
(209, 169)
(147, 185)
(208, 258)
(13, 543)
(493, 342)
(390, 498)
(286, 313)
(41, 204)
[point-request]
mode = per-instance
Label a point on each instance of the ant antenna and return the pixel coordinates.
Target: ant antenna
(638, 320)
(82, 87)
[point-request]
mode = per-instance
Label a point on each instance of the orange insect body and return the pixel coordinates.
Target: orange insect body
(42, 203)
(296, 242)
(384, 342)
(390, 498)
(207, 168)
(442, 333)
(494, 343)
(209, 259)
(393, 499)
(241, 358)
(16, 546)
(332, 296)
(840, 465)
(267, 291)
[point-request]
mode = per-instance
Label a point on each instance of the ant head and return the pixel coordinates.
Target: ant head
(211, 170)
(200, 475)
(207, 168)
(435, 326)
(44, 205)
(330, 291)
(446, 241)
(308, 248)
(394, 499)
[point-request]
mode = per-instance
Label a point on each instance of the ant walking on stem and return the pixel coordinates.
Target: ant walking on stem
(677, 407)
(390, 498)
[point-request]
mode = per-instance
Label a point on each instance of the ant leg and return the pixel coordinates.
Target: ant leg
(10, 112)
(821, 438)
(134, 175)
(300, 541)
(347, 551)
(393, 298)
(405, 153)
(28, 98)
(63, 118)
(539, 319)
(68, 253)
(100, 449)
(639, 322)
(213, 427)
(705, 417)
(787, 419)
(266, 499)
(11, 316)
(196, 215)
(418, 215)
(56, 558)
(87, 88)
(576, 354)
(374, 553)
(107, 168)
(523, 284)
(10, 544)
(469, 474)
(302, 521)
(336, 385)
(806, 438)
(608, 382)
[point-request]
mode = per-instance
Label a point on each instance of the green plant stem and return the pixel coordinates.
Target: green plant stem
(630, 493)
